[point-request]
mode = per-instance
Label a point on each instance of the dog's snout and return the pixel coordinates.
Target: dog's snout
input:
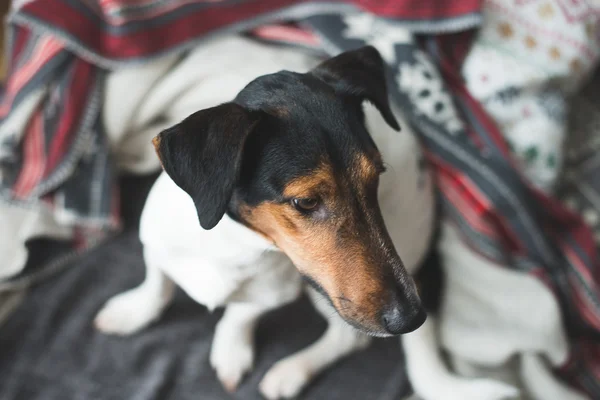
(398, 318)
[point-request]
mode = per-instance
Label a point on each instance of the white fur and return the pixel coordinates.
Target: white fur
(232, 266)
(431, 379)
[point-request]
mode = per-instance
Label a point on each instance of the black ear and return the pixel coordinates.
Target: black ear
(359, 73)
(203, 153)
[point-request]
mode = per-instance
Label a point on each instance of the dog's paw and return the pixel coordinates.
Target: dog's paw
(232, 360)
(125, 314)
(484, 389)
(285, 379)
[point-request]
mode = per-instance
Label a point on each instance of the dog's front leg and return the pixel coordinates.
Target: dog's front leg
(232, 351)
(432, 380)
(129, 312)
(288, 377)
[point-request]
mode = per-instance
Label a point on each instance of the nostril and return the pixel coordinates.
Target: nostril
(397, 321)
(392, 320)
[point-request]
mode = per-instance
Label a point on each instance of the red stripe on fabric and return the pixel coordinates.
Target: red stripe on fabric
(429, 10)
(478, 207)
(466, 240)
(454, 179)
(147, 41)
(462, 204)
(577, 228)
(456, 46)
(451, 183)
(475, 199)
(46, 49)
(34, 159)
(486, 122)
(420, 9)
(581, 304)
(81, 82)
(486, 212)
(172, 33)
(159, 8)
(286, 33)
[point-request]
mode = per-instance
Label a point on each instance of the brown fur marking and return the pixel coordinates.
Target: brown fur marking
(365, 167)
(156, 143)
(335, 252)
(320, 182)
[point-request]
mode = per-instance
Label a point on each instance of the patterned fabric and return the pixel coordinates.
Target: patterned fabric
(523, 65)
(53, 151)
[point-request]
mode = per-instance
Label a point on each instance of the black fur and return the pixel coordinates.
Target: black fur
(359, 74)
(203, 154)
(280, 126)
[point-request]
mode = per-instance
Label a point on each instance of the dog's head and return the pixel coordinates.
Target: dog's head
(291, 158)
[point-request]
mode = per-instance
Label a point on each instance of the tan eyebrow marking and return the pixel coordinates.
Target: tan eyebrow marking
(320, 180)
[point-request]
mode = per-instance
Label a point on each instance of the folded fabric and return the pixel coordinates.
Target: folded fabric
(54, 152)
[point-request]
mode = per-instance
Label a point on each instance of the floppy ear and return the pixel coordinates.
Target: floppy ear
(203, 153)
(359, 73)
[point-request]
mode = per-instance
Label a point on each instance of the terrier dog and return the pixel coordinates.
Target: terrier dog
(294, 180)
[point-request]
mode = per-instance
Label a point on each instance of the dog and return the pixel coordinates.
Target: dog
(301, 181)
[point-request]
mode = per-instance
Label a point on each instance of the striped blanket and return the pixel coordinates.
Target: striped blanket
(58, 172)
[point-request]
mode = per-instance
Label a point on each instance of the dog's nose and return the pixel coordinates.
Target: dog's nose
(397, 319)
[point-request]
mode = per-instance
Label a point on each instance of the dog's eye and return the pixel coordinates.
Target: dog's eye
(306, 204)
